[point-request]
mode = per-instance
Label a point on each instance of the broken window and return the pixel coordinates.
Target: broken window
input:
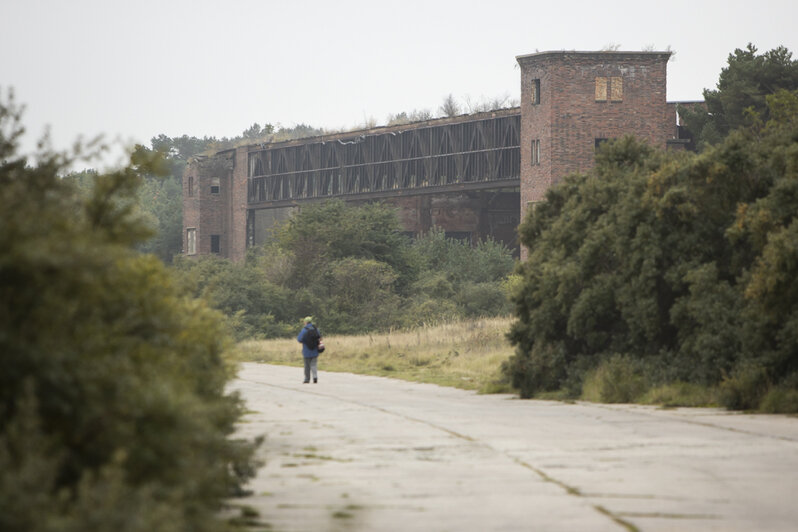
(535, 96)
(191, 241)
(215, 244)
(215, 185)
(535, 152)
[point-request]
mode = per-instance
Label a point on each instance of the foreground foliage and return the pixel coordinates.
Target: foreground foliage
(113, 413)
(668, 268)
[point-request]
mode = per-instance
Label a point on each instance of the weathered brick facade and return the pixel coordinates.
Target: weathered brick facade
(570, 103)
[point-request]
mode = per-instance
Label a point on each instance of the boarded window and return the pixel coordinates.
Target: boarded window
(215, 185)
(601, 89)
(191, 241)
(215, 244)
(616, 89)
(609, 89)
(535, 159)
(535, 95)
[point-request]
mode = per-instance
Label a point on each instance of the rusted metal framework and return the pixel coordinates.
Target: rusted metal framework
(480, 152)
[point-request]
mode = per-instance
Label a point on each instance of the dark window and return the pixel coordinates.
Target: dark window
(215, 245)
(215, 185)
(535, 152)
(190, 186)
(600, 141)
(535, 97)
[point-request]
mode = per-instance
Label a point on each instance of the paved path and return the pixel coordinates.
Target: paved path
(375, 454)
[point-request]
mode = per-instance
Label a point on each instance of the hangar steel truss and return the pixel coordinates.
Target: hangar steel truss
(477, 152)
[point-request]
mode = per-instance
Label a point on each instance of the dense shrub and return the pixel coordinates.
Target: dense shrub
(113, 410)
(252, 305)
(685, 262)
(744, 388)
(618, 379)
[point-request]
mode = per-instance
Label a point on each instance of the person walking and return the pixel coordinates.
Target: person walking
(310, 337)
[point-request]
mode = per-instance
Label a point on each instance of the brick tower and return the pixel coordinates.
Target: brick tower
(215, 205)
(573, 101)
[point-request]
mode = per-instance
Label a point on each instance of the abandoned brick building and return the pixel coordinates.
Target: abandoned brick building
(474, 176)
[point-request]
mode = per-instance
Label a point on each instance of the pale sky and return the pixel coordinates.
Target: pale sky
(134, 69)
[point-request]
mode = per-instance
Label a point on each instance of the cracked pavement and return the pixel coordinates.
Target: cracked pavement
(375, 454)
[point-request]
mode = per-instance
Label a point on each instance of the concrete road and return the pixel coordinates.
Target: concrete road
(375, 454)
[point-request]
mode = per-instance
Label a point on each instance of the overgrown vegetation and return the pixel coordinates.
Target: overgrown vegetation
(113, 412)
(661, 269)
(465, 354)
(352, 268)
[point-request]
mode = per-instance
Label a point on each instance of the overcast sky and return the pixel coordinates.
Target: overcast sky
(134, 69)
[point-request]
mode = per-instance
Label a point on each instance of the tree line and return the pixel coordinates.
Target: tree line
(665, 268)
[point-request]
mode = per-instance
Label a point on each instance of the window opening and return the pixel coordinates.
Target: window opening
(215, 244)
(535, 152)
(215, 185)
(535, 97)
(191, 241)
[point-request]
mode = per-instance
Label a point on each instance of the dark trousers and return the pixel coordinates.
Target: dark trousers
(310, 367)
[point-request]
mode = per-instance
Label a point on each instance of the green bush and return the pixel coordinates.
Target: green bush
(619, 379)
(744, 388)
(423, 310)
(679, 394)
(544, 369)
(110, 373)
(482, 299)
(684, 262)
(780, 400)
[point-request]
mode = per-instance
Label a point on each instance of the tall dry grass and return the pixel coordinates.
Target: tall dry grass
(465, 354)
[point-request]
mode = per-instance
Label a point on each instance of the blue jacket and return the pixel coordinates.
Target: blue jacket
(306, 351)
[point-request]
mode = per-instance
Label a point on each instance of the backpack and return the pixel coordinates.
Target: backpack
(312, 337)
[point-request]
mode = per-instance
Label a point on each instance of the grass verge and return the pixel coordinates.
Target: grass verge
(466, 354)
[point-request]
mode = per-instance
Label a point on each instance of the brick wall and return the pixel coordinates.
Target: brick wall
(237, 228)
(569, 119)
(207, 211)
(565, 123)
